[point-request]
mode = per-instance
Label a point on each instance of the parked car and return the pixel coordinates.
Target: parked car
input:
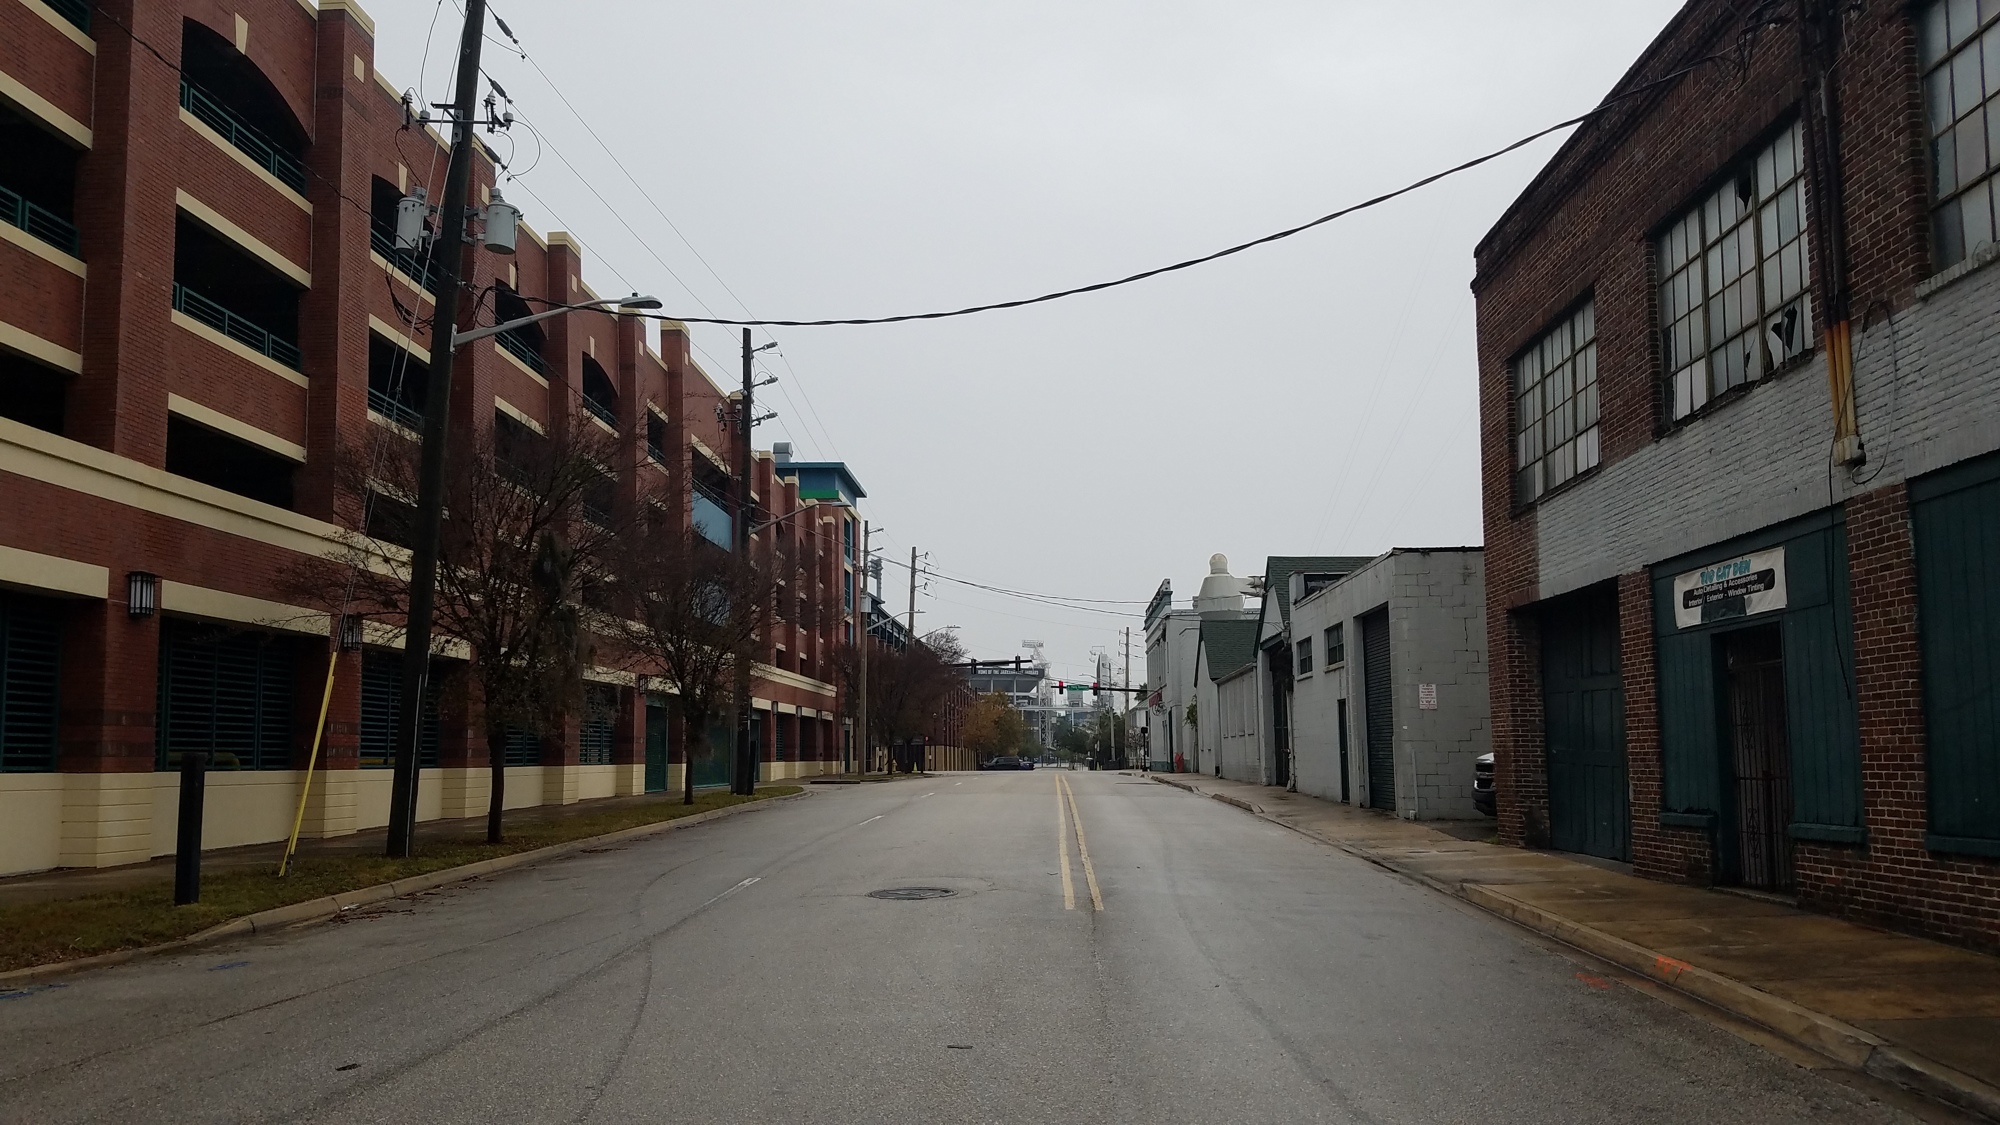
(1482, 783)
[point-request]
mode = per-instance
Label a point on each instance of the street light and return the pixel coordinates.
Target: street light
(635, 302)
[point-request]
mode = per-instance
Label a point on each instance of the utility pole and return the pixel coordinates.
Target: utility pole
(862, 747)
(913, 595)
(1124, 717)
(743, 779)
(449, 252)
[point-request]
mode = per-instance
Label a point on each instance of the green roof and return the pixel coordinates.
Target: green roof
(1231, 645)
(1278, 571)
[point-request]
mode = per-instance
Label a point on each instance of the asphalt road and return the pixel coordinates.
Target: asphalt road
(737, 971)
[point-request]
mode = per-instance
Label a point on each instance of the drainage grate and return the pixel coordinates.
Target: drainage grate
(912, 894)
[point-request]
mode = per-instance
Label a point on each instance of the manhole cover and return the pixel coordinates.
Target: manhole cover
(912, 894)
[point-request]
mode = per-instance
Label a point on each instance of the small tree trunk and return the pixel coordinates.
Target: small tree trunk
(496, 757)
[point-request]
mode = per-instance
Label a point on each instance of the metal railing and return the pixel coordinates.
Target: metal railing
(395, 410)
(75, 11)
(654, 451)
(424, 271)
(290, 170)
(237, 328)
(603, 411)
(38, 221)
(521, 350)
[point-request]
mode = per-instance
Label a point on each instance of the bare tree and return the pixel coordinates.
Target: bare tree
(907, 687)
(694, 616)
(529, 530)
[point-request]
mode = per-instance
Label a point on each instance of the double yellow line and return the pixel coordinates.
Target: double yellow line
(1067, 814)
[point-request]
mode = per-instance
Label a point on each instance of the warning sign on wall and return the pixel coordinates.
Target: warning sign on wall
(1427, 697)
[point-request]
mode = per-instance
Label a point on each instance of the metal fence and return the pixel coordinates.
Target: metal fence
(289, 169)
(245, 332)
(38, 221)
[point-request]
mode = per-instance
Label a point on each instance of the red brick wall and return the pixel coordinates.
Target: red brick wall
(1672, 853)
(1894, 880)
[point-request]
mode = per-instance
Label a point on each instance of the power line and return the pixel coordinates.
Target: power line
(550, 82)
(1204, 259)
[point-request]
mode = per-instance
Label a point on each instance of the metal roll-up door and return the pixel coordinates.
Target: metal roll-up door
(1381, 707)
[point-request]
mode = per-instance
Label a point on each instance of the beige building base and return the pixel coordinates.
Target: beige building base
(52, 820)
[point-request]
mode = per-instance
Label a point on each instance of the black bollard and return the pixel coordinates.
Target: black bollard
(187, 846)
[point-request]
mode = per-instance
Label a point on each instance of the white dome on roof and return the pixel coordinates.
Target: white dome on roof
(1221, 591)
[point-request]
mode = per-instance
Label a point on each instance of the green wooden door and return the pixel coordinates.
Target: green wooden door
(1956, 517)
(656, 747)
(1583, 717)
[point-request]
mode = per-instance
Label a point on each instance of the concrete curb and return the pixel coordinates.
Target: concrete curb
(332, 906)
(1841, 1042)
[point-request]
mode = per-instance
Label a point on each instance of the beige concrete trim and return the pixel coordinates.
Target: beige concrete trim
(703, 449)
(17, 92)
(610, 676)
(243, 158)
(517, 414)
(602, 424)
(395, 336)
(792, 679)
(234, 347)
(381, 634)
(34, 347)
(41, 249)
(214, 220)
(221, 605)
(48, 572)
(70, 31)
(395, 271)
(352, 10)
(395, 427)
(39, 455)
(236, 428)
(530, 372)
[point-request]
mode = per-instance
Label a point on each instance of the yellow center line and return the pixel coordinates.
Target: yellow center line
(1062, 848)
(1082, 848)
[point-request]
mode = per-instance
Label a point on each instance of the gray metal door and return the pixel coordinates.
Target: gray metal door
(1754, 678)
(1381, 716)
(1583, 722)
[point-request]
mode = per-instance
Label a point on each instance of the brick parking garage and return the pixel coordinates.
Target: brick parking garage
(203, 308)
(1741, 606)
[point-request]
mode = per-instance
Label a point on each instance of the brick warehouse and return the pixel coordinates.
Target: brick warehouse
(202, 304)
(1741, 604)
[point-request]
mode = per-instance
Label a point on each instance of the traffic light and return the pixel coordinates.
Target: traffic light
(1059, 686)
(1096, 690)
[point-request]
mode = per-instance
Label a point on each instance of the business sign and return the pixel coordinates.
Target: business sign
(1738, 587)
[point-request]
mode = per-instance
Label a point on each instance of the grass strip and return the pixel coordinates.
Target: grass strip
(40, 933)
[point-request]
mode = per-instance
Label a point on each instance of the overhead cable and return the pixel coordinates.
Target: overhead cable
(1204, 259)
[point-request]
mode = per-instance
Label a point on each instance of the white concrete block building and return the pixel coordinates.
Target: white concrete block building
(1389, 684)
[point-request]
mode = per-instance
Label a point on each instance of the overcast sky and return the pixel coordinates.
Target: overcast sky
(833, 159)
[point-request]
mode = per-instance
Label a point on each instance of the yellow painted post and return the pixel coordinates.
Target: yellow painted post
(319, 729)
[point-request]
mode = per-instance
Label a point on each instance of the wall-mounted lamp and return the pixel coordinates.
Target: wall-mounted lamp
(350, 632)
(142, 593)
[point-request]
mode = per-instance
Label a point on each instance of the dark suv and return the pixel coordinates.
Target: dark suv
(1482, 783)
(1009, 762)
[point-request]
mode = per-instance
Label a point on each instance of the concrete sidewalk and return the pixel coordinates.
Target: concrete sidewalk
(1916, 1012)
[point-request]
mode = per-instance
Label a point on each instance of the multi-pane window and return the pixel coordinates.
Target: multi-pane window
(1336, 645)
(1735, 285)
(1960, 43)
(1305, 661)
(1555, 406)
